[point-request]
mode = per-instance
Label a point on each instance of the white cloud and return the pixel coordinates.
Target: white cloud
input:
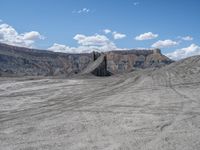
(146, 36)
(186, 38)
(9, 35)
(136, 3)
(192, 50)
(164, 44)
(86, 44)
(106, 31)
(33, 35)
(81, 49)
(61, 48)
(82, 11)
(91, 40)
(117, 35)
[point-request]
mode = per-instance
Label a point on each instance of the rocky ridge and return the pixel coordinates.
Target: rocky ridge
(20, 61)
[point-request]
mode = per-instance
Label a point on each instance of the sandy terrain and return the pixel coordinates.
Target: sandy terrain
(149, 109)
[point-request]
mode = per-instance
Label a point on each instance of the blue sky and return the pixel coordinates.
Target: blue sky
(79, 25)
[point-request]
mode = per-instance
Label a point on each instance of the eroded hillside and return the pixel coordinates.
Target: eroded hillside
(19, 61)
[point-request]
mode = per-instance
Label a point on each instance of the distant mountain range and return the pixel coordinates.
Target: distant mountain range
(20, 61)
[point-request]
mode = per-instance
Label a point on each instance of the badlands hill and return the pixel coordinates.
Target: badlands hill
(19, 61)
(148, 109)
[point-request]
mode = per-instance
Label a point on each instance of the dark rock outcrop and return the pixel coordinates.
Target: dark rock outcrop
(98, 67)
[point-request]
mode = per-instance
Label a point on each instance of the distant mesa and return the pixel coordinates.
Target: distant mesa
(20, 61)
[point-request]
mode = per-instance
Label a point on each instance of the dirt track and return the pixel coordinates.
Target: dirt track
(149, 109)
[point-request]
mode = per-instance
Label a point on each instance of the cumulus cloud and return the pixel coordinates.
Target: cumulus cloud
(186, 38)
(164, 44)
(106, 31)
(82, 11)
(91, 40)
(86, 44)
(9, 35)
(136, 3)
(146, 36)
(61, 48)
(81, 49)
(117, 35)
(33, 35)
(192, 50)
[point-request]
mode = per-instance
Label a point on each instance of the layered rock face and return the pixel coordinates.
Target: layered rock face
(19, 61)
(126, 61)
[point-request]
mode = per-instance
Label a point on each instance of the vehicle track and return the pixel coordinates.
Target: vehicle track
(147, 109)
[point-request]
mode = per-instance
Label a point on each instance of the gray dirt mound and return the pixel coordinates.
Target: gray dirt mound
(143, 110)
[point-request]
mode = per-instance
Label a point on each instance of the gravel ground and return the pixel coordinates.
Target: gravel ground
(143, 110)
